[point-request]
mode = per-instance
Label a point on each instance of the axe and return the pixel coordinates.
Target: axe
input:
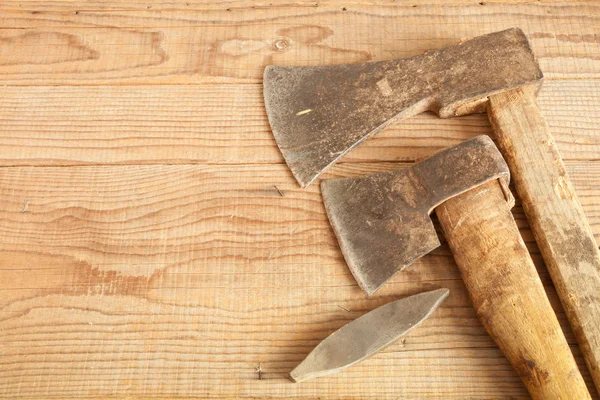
(382, 224)
(318, 114)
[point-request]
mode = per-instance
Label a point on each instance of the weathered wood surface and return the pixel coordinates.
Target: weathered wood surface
(183, 47)
(179, 280)
(133, 5)
(144, 249)
(227, 124)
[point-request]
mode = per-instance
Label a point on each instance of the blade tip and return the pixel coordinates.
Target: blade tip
(444, 293)
(298, 375)
(294, 378)
(268, 69)
(368, 287)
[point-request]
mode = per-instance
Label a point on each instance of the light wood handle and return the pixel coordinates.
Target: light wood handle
(507, 292)
(557, 220)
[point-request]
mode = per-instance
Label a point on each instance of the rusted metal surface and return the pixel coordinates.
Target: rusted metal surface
(382, 221)
(368, 334)
(318, 114)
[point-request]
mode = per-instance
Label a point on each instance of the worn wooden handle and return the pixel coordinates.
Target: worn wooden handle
(557, 220)
(507, 292)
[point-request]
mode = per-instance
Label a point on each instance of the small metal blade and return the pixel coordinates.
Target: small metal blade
(368, 334)
(318, 114)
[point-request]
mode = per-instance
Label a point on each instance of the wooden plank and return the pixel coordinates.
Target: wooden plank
(115, 5)
(228, 124)
(180, 279)
(221, 46)
(86, 205)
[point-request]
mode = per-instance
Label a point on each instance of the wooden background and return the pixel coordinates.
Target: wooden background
(145, 249)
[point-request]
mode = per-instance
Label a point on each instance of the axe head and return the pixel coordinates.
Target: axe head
(318, 114)
(382, 221)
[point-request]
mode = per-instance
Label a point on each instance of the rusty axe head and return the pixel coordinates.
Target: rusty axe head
(382, 221)
(318, 114)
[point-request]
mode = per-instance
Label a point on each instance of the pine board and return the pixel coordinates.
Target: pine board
(187, 47)
(179, 280)
(145, 248)
(190, 5)
(227, 124)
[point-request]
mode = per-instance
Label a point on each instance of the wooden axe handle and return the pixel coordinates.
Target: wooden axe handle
(507, 292)
(557, 220)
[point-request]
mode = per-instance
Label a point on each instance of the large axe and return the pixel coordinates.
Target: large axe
(318, 114)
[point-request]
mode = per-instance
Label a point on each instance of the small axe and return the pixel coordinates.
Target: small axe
(318, 114)
(382, 224)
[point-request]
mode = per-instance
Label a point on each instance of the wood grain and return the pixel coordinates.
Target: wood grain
(178, 280)
(557, 219)
(120, 279)
(227, 124)
(115, 5)
(226, 46)
(507, 292)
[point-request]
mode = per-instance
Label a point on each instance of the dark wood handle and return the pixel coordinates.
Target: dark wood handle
(507, 292)
(557, 220)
